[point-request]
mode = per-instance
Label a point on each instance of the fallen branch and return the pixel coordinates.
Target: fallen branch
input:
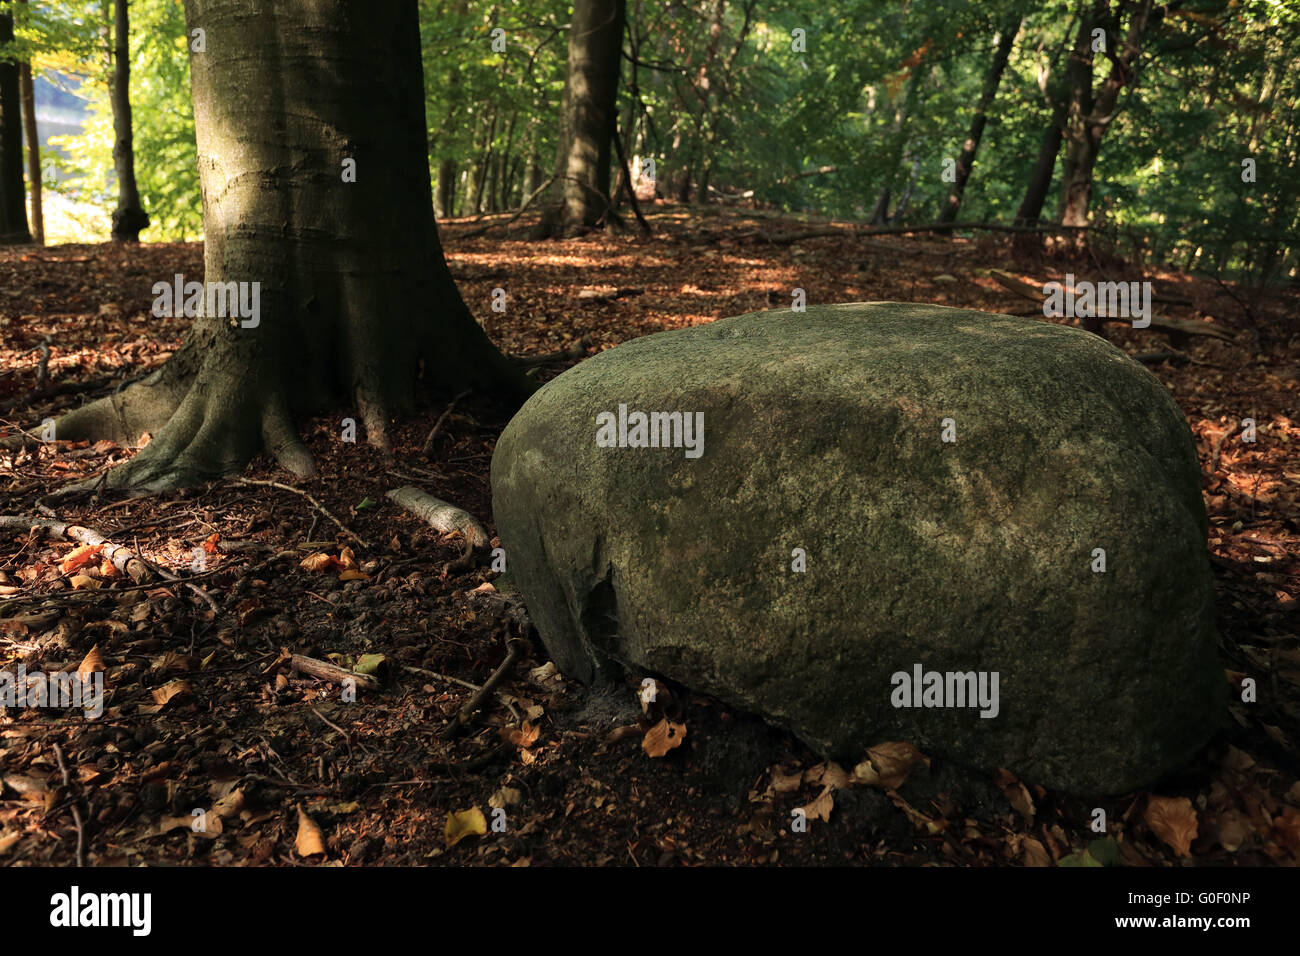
(331, 672)
(316, 504)
(577, 350)
(1177, 326)
(506, 225)
(466, 714)
(76, 812)
(427, 450)
(440, 515)
(124, 559)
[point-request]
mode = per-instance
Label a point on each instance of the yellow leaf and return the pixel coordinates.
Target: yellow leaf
(1173, 820)
(309, 841)
(663, 737)
(84, 582)
(347, 559)
(352, 574)
(466, 823)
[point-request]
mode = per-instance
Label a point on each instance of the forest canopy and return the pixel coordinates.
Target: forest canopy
(856, 110)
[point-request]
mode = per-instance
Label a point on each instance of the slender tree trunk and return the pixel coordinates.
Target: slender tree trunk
(1088, 125)
(32, 136)
(358, 311)
(129, 217)
(447, 188)
(13, 200)
(992, 80)
(1040, 177)
(588, 117)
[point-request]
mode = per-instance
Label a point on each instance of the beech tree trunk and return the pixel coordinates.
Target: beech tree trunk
(358, 310)
(27, 92)
(588, 118)
(129, 217)
(1090, 114)
(13, 200)
(979, 120)
(32, 136)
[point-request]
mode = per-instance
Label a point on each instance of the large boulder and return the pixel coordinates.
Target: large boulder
(985, 507)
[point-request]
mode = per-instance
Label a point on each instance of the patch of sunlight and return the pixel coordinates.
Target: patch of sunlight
(69, 220)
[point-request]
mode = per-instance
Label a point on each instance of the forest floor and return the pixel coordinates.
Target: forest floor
(212, 749)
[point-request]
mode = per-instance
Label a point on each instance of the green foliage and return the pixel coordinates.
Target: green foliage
(74, 38)
(801, 106)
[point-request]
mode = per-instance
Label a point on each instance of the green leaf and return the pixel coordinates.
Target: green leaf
(1105, 851)
(1078, 858)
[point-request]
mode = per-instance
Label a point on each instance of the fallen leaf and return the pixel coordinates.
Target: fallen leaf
(783, 784)
(352, 574)
(210, 543)
(1233, 827)
(84, 582)
(465, 823)
(1033, 853)
(309, 840)
(319, 562)
(888, 765)
(79, 557)
(91, 664)
(230, 805)
(663, 737)
(1016, 794)
(1173, 820)
(827, 775)
(820, 809)
(505, 797)
(174, 690)
(524, 736)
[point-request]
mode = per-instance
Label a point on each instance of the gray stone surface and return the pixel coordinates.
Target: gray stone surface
(822, 431)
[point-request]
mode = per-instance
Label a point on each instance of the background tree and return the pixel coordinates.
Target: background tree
(129, 217)
(587, 118)
(357, 306)
(13, 202)
(970, 148)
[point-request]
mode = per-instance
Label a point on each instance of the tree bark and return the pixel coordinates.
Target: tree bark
(27, 92)
(13, 200)
(32, 136)
(129, 217)
(992, 80)
(1090, 114)
(357, 304)
(447, 188)
(588, 116)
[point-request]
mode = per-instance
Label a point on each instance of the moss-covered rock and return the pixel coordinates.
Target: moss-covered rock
(824, 431)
